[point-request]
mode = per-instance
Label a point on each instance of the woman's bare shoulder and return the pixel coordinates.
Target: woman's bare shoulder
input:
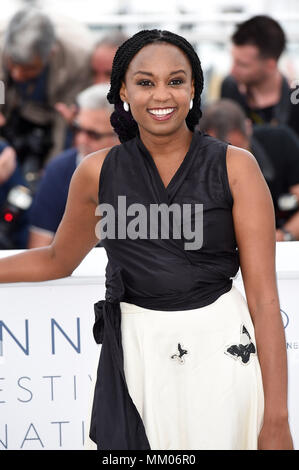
(95, 159)
(89, 171)
(242, 167)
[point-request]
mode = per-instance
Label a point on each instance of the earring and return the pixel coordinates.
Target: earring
(126, 106)
(191, 104)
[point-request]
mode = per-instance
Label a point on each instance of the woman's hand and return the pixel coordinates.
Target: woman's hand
(275, 436)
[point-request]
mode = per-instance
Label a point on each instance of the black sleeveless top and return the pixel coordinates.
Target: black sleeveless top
(157, 273)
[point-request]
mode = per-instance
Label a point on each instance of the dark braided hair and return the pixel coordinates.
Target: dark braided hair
(122, 121)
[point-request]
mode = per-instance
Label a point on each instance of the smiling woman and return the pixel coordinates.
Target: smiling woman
(186, 362)
(165, 96)
(133, 80)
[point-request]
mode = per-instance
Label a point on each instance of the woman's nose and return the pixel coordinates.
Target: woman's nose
(161, 92)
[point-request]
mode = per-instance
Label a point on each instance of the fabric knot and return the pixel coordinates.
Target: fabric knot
(114, 294)
(98, 327)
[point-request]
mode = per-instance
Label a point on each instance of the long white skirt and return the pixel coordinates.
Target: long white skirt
(194, 375)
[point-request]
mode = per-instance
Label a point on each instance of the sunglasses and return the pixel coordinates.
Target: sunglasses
(76, 128)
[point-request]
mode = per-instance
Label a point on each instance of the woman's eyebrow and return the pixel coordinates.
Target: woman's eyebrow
(151, 74)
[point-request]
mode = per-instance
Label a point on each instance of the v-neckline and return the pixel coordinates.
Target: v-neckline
(180, 169)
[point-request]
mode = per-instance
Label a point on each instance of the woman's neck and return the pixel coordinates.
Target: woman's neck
(165, 145)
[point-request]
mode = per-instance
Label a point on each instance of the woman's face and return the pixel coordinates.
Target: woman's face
(158, 86)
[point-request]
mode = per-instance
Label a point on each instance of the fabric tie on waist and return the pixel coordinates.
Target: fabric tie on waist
(115, 421)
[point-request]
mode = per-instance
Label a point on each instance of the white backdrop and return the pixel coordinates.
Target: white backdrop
(48, 355)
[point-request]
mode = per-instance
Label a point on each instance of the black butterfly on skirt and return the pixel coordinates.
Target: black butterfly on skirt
(180, 357)
(244, 348)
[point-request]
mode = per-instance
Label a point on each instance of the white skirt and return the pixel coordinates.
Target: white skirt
(194, 375)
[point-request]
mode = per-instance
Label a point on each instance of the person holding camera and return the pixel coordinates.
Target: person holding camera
(40, 68)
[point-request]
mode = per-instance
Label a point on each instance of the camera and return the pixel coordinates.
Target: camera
(32, 143)
(19, 199)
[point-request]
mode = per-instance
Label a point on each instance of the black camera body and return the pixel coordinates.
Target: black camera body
(19, 199)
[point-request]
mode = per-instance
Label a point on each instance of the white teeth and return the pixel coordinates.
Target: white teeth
(161, 112)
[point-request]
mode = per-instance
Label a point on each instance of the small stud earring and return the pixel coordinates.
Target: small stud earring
(126, 106)
(191, 104)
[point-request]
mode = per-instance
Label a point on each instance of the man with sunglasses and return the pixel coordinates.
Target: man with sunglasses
(92, 131)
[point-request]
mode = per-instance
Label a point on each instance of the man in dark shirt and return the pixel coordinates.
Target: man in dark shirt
(276, 150)
(256, 82)
(92, 131)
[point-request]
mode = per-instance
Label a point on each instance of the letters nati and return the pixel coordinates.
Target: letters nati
(182, 215)
(114, 460)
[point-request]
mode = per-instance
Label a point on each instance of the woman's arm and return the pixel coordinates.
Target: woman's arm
(75, 236)
(254, 221)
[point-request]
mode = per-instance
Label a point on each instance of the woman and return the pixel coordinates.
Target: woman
(178, 366)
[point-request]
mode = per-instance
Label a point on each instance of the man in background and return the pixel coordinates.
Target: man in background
(101, 61)
(276, 150)
(256, 82)
(39, 69)
(93, 131)
(103, 55)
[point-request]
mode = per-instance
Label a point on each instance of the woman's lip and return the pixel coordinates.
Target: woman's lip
(165, 107)
(164, 117)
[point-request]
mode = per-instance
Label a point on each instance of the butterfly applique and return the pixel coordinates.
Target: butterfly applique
(244, 349)
(179, 357)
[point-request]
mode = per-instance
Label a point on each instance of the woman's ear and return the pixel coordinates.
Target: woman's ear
(123, 92)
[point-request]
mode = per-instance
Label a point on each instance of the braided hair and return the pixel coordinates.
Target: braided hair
(122, 121)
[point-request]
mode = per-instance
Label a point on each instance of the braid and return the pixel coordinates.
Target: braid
(123, 122)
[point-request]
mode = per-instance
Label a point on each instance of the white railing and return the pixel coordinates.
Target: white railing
(48, 356)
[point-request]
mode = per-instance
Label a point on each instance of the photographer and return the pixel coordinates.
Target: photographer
(40, 69)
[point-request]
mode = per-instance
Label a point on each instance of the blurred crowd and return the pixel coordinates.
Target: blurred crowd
(54, 112)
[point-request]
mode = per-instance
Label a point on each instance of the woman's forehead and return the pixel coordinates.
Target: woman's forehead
(152, 56)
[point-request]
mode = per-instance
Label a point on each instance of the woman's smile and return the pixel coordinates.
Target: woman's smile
(161, 114)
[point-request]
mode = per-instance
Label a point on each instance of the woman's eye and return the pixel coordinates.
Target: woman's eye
(143, 82)
(174, 81)
(177, 81)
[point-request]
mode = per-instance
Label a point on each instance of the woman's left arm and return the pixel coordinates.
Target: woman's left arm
(254, 222)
